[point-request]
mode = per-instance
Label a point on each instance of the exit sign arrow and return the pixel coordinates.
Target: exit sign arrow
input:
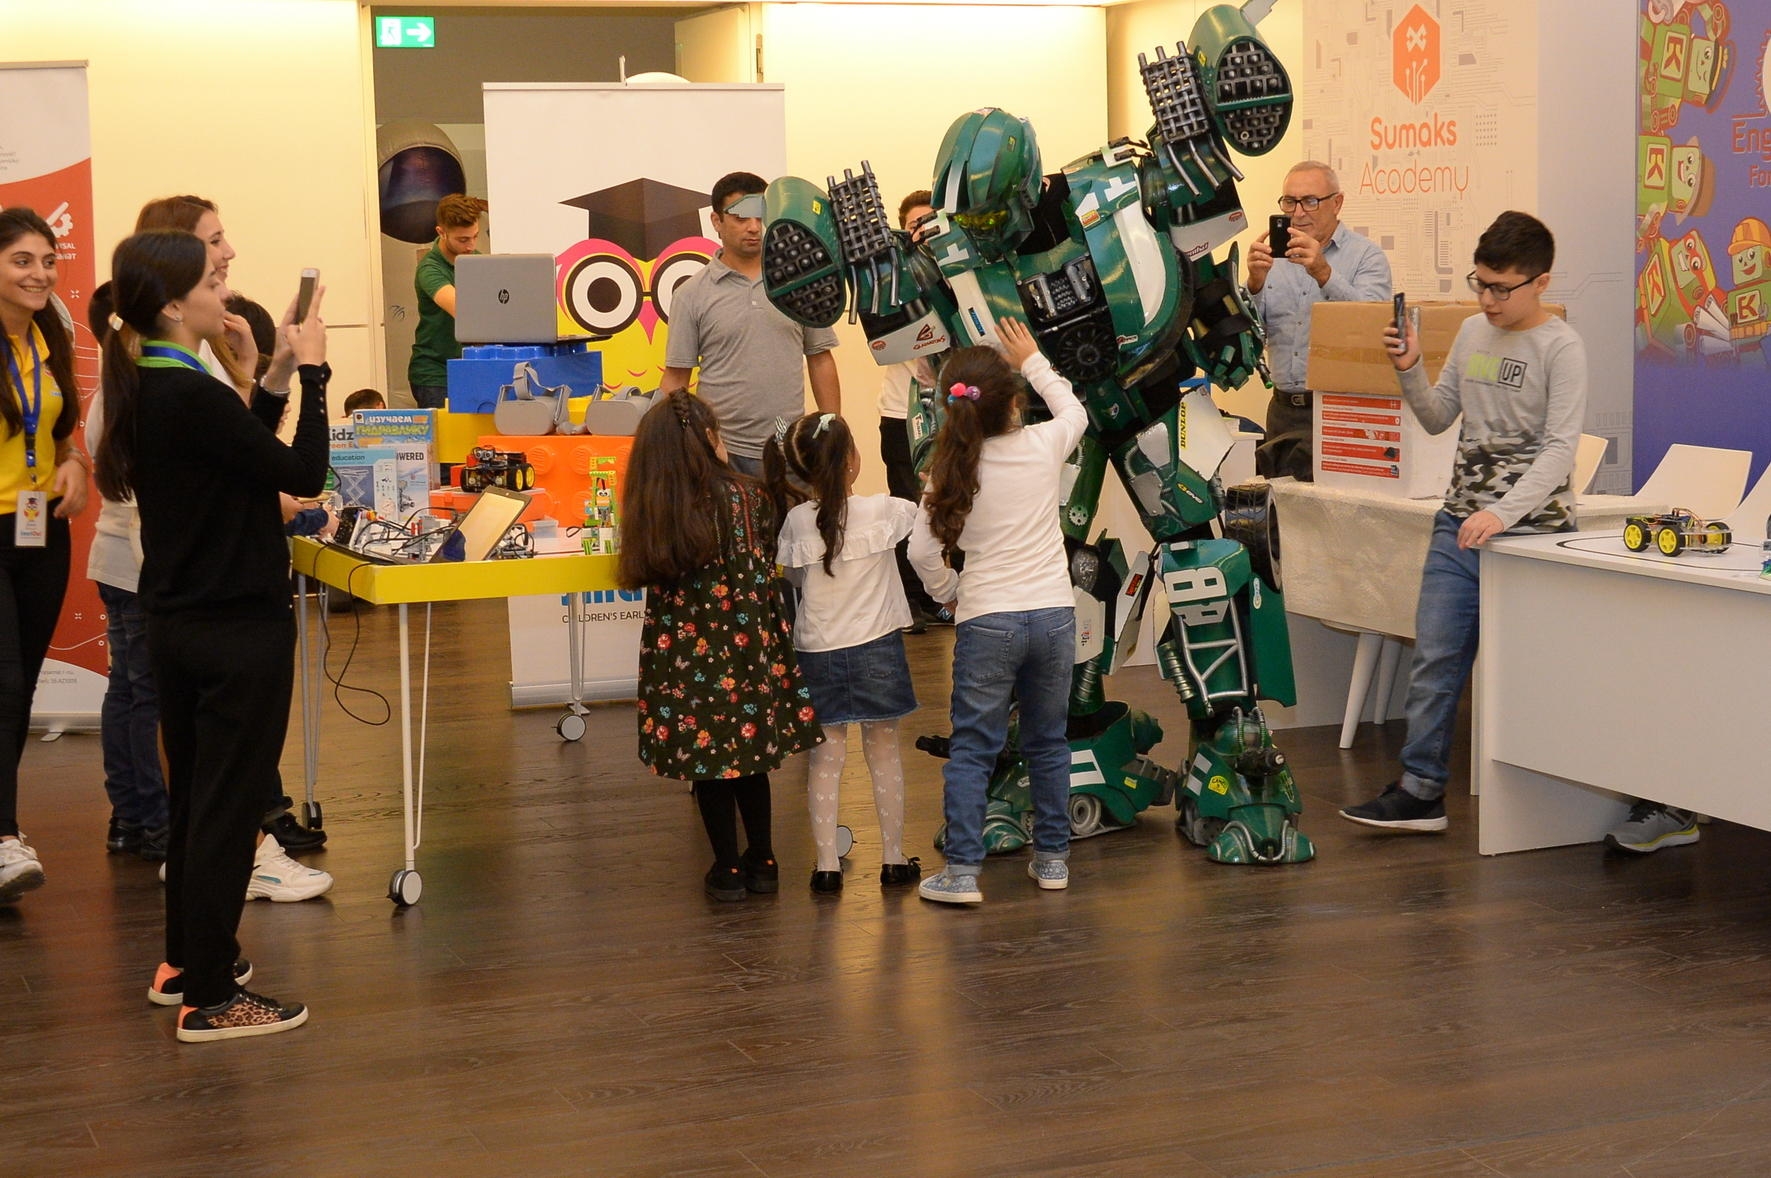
(405, 32)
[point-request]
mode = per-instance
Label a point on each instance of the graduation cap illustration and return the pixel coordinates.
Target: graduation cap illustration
(643, 216)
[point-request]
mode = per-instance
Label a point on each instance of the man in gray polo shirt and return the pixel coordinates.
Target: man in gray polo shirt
(750, 354)
(1323, 261)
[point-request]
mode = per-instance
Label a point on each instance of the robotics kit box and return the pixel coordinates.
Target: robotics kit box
(1365, 436)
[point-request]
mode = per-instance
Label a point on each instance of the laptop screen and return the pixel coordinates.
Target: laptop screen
(477, 532)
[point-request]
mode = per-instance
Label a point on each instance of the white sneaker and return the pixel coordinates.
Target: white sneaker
(275, 876)
(20, 871)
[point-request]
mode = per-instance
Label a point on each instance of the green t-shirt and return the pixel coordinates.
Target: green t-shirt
(433, 344)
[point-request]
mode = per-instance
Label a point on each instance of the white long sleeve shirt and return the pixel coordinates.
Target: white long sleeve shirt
(861, 598)
(1013, 545)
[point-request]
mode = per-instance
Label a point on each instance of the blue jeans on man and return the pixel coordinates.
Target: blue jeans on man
(129, 718)
(997, 658)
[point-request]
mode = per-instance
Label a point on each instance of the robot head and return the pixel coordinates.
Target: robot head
(987, 178)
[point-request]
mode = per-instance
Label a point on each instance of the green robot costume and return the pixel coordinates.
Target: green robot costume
(1109, 262)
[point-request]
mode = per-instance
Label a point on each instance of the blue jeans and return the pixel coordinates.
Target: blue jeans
(1028, 655)
(431, 396)
(129, 721)
(1446, 623)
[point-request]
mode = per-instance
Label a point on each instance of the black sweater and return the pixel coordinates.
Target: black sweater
(207, 474)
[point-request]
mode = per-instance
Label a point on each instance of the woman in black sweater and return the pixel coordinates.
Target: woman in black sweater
(205, 474)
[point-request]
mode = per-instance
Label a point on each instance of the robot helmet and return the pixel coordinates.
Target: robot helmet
(987, 178)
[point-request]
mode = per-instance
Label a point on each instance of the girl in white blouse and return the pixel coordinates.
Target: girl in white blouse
(839, 552)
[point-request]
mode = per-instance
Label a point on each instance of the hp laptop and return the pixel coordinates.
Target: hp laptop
(506, 299)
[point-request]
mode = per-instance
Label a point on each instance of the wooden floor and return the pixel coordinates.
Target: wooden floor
(565, 1001)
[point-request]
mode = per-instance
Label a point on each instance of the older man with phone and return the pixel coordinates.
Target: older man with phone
(1307, 256)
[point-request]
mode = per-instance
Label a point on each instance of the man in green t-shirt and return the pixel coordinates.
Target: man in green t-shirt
(433, 344)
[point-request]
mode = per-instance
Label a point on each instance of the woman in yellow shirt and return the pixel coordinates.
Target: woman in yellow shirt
(42, 485)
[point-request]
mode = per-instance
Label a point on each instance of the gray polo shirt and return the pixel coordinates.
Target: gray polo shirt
(751, 356)
(1361, 274)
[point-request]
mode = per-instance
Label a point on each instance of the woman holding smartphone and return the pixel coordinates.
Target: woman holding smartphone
(215, 588)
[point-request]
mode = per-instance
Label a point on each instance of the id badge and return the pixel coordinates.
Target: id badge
(32, 521)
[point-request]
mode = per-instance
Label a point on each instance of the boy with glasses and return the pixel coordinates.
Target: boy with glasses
(1322, 260)
(1518, 375)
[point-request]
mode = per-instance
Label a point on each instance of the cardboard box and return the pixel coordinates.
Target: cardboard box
(411, 433)
(1365, 436)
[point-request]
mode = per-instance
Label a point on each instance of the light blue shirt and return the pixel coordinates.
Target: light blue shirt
(1359, 273)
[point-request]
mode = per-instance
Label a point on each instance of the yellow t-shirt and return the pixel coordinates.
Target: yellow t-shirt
(14, 475)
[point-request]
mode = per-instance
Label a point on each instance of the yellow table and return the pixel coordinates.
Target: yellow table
(571, 574)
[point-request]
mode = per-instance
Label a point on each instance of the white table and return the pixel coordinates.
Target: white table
(1605, 675)
(1352, 558)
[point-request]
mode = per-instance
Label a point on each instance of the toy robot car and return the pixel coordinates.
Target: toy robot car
(1675, 531)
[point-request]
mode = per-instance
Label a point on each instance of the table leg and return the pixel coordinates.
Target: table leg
(571, 726)
(406, 886)
(1364, 663)
(1387, 661)
(310, 712)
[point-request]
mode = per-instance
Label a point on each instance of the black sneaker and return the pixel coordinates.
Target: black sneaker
(293, 835)
(1397, 809)
(942, 616)
(761, 875)
(122, 837)
(243, 1015)
(725, 884)
(152, 845)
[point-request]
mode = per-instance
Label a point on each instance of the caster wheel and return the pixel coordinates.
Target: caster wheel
(1085, 815)
(845, 842)
(315, 821)
(570, 727)
(405, 887)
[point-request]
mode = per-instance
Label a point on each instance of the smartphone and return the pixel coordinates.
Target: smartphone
(1401, 303)
(1279, 233)
(304, 297)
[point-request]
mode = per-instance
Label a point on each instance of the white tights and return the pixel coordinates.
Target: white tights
(879, 744)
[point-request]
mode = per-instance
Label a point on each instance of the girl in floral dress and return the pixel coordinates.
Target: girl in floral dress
(721, 703)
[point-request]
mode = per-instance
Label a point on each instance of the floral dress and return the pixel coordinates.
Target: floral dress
(720, 692)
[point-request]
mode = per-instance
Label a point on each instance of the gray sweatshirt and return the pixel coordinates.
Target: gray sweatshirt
(1523, 396)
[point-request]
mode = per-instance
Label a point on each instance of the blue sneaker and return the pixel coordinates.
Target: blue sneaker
(946, 887)
(1051, 874)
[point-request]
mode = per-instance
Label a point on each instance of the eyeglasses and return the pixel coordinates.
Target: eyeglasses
(1499, 292)
(1310, 203)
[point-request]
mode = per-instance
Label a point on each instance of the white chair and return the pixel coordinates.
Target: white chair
(1588, 456)
(1705, 479)
(1747, 521)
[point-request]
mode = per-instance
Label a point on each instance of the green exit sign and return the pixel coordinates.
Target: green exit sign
(405, 32)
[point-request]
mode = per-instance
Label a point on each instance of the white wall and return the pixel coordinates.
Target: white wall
(1139, 28)
(260, 107)
(873, 82)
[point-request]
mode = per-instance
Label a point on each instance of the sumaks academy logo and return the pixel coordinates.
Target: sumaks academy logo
(1415, 53)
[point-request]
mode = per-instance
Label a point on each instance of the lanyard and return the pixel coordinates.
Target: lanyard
(159, 353)
(31, 407)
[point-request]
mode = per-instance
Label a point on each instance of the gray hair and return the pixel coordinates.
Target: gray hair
(1334, 181)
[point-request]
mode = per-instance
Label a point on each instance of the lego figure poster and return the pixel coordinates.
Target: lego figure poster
(1703, 227)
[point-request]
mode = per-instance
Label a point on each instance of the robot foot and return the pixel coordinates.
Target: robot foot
(1236, 843)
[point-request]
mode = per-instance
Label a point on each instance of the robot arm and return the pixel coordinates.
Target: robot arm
(824, 252)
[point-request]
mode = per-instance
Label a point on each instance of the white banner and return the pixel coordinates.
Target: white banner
(613, 180)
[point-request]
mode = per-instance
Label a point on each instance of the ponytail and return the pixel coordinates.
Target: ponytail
(148, 270)
(982, 400)
(810, 460)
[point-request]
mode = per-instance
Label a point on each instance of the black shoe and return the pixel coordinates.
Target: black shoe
(942, 616)
(919, 623)
(122, 837)
(827, 883)
(152, 846)
(724, 884)
(292, 835)
(897, 875)
(1397, 809)
(761, 876)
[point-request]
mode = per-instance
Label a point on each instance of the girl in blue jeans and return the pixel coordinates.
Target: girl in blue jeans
(994, 496)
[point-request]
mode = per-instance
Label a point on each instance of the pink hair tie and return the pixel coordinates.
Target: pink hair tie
(966, 392)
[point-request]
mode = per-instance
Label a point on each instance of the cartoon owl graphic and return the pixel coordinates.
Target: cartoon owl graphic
(644, 241)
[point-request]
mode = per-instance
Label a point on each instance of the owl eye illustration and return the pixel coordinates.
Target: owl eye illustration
(603, 293)
(669, 273)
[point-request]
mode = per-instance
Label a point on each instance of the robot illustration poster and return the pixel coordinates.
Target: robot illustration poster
(1703, 238)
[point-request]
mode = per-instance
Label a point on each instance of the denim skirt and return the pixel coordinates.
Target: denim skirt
(859, 683)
